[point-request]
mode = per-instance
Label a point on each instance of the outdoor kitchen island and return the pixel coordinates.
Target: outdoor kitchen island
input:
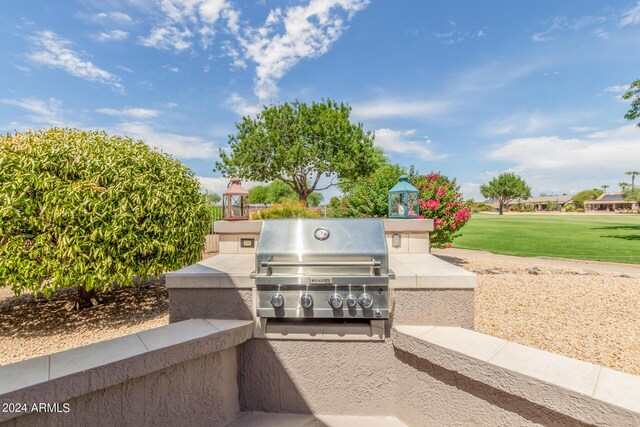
(421, 366)
(323, 364)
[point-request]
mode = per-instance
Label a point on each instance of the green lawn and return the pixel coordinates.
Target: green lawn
(592, 237)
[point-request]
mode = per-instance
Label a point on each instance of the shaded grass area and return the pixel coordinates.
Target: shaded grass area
(614, 238)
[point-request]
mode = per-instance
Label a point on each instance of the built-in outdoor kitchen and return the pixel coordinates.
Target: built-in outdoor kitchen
(324, 294)
(317, 322)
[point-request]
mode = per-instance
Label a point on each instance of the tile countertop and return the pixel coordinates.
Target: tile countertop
(412, 271)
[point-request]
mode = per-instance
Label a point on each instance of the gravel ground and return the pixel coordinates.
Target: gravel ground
(585, 314)
(35, 327)
(582, 313)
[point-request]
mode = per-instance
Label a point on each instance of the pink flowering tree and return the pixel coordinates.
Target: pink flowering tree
(440, 200)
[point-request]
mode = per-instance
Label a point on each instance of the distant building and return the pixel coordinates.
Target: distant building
(613, 202)
(541, 203)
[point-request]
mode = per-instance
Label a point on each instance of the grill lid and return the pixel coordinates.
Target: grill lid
(355, 247)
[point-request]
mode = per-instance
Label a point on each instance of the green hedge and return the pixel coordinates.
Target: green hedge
(87, 209)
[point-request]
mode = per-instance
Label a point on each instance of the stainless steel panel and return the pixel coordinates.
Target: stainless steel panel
(311, 246)
(321, 307)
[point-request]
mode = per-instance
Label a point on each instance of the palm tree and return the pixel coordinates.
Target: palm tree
(623, 186)
(633, 178)
(604, 187)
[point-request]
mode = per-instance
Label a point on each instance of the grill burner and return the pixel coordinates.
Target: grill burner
(322, 268)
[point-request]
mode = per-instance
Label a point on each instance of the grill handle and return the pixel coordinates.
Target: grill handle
(374, 263)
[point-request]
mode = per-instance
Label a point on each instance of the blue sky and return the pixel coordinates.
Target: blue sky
(468, 88)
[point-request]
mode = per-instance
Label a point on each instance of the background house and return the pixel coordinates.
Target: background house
(613, 202)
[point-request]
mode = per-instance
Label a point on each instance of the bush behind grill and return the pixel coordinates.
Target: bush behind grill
(88, 209)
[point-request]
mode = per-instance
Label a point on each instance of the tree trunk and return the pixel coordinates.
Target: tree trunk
(501, 207)
(85, 298)
(302, 198)
(633, 182)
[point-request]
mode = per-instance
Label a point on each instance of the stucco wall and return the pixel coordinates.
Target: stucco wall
(181, 374)
(454, 376)
(195, 303)
(351, 378)
(194, 393)
(451, 307)
(429, 395)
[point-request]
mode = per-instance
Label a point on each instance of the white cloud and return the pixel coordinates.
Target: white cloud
(22, 68)
(559, 23)
(115, 16)
(399, 108)
(170, 105)
(218, 185)
(236, 60)
(471, 190)
(551, 163)
(184, 21)
(56, 53)
(41, 112)
(136, 113)
(293, 34)
(601, 33)
(619, 89)
(241, 107)
(170, 38)
(405, 143)
(180, 146)
(531, 122)
(582, 129)
(631, 16)
(116, 35)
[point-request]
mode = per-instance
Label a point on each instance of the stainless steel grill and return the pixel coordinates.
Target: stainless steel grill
(322, 268)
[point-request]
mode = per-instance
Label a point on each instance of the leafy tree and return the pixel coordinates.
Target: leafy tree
(279, 192)
(89, 210)
(633, 178)
(581, 197)
(297, 144)
(213, 198)
(506, 187)
(259, 195)
(633, 195)
(369, 197)
(633, 93)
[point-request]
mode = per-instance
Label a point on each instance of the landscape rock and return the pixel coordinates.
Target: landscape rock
(534, 270)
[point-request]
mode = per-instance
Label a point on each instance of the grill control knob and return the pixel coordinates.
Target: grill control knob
(306, 301)
(335, 301)
(366, 301)
(277, 300)
(351, 301)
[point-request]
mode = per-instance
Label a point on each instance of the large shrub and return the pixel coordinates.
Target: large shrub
(286, 209)
(440, 200)
(369, 197)
(87, 209)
